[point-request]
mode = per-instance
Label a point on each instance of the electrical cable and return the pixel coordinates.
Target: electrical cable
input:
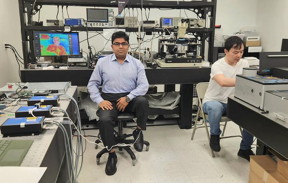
(186, 13)
(108, 40)
(147, 41)
(108, 149)
(69, 155)
(94, 48)
(90, 53)
(39, 15)
(62, 7)
(75, 163)
(57, 12)
(192, 10)
(147, 17)
(85, 142)
(31, 111)
(12, 47)
(67, 11)
(89, 37)
(17, 56)
(33, 7)
(79, 139)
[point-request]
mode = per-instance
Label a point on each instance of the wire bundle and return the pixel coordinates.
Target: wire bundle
(19, 59)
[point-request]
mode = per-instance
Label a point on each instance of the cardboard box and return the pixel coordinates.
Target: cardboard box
(252, 43)
(264, 169)
(253, 178)
(282, 167)
(262, 166)
(276, 177)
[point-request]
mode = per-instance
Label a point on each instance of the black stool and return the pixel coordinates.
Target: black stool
(122, 142)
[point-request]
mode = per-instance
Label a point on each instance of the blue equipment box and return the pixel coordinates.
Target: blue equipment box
(22, 126)
(44, 100)
(42, 110)
(74, 22)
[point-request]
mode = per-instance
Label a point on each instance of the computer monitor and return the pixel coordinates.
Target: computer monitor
(166, 22)
(56, 44)
(97, 15)
(284, 46)
(269, 60)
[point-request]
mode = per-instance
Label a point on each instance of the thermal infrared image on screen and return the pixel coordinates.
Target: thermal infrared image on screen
(58, 44)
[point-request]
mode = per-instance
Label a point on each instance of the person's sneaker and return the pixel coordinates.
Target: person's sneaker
(139, 139)
(245, 154)
(215, 143)
(111, 164)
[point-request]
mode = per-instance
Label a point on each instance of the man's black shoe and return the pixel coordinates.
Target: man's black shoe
(215, 143)
(245, 154)
(139, 139)
(111, 164)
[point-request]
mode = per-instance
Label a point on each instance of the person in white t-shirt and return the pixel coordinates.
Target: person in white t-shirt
(221, 86)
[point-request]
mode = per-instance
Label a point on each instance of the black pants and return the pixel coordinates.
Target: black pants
(107, 118)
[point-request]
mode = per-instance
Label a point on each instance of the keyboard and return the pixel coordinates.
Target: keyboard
(12, 152)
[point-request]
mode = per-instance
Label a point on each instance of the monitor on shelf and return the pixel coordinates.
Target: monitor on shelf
(269, 60)
(284, 46)
(97, 15)
(166, 22)
(56, 44)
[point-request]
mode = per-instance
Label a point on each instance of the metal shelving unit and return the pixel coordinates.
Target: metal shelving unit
(27, 9)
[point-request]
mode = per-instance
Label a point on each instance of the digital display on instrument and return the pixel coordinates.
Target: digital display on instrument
(97, 15)
(167, 22)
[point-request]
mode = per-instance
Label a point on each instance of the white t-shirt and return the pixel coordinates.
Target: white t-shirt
(214, 90)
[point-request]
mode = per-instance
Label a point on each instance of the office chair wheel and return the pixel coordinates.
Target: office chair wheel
(134, 162)
(147, 148)
(96, 143)
(98, 161)
(147, 144)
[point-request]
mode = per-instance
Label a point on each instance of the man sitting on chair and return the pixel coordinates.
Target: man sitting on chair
(124, 83)
(221, 86)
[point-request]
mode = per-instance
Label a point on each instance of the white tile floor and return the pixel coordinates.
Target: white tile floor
(172, 158)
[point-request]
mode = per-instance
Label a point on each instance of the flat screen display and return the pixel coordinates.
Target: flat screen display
(284, 46)
(167, 22)
(97, 15)
(269, 60)
(56, 44)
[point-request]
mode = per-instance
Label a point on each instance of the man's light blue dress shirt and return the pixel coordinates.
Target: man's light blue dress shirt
(114, 77)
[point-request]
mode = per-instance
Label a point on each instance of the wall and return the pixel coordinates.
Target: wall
(267, 16)
(272, 23)
(234, 14)
(9, 33)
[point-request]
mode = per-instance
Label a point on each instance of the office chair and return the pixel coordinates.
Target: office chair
(122, 142)
(200, 90)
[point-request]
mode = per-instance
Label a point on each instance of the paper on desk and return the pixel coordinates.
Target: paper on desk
(12, 174)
